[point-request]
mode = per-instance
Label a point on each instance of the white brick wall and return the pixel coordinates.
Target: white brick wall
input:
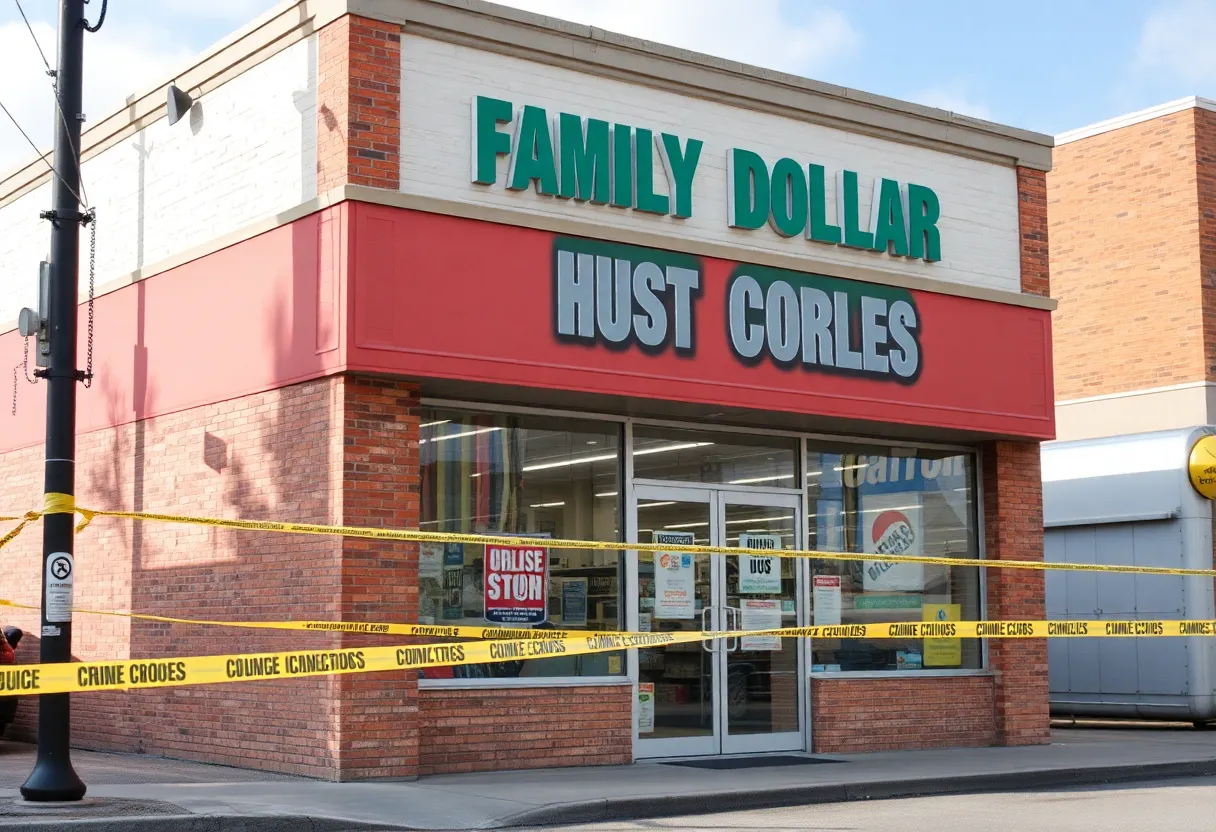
(247, 151)
(979, 222)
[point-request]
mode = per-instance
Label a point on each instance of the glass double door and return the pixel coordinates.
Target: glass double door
(733, 694)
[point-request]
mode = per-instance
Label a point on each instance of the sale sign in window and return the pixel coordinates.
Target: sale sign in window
(516, 581)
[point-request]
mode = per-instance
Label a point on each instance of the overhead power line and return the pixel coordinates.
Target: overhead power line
(58, 104)
(41, 155)
(45, 62)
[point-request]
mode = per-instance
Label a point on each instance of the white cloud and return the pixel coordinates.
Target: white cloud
(1176, 44)
(754, 32)
(954, 99)
(119, 60)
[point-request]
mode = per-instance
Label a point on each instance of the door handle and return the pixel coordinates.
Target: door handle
(736, 614)
(709, 645)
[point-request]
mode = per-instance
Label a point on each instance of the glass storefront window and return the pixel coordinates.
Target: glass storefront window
(728, 458)
(879, 501)
(506, 473)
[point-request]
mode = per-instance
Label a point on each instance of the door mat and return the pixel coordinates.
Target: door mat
(770, 761)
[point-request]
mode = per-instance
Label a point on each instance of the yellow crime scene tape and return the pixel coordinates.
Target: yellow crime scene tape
(498, 643)
(899, 629)
(132, 674)
(64, 504)
(365, 627)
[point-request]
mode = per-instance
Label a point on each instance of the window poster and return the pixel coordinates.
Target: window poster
(574, 602)
(825, 600)
(942, 652)
(759, 575)
(646, 707)
(516, 584)
(453, 554)
(760, 614)
(892, 525)
(674, 578)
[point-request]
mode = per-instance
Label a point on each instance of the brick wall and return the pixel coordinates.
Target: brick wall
(359, 104)
(1125, 267)
(1032, 227)
(513, 728)
(1205, 171)
(258, 457)
(893, 714)
(377, 713)
(332, 450)
(1013, 529)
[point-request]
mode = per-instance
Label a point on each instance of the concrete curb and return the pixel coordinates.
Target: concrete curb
(637, 808)
(198, 823)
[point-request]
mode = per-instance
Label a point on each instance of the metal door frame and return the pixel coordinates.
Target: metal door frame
(716, 499)
(749, 743)
(676, 746)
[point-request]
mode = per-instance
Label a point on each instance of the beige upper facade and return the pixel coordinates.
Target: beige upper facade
(1132, 213)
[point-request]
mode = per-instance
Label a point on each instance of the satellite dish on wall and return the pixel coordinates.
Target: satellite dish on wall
(179, 104)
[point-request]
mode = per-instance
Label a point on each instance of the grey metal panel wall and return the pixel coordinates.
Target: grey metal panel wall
(1130, 497)
(1116, 667)
(1127, 499)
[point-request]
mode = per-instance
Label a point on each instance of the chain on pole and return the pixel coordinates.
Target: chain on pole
(24, 366)
(91, 219)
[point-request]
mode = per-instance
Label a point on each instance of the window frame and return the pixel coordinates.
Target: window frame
(630, 676)
(981, 556)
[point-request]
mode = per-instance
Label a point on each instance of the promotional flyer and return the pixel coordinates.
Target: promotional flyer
(892, 525)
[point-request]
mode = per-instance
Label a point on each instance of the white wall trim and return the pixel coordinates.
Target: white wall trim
(559, 225)
(1148, 391)
(673, 242)
(1119, 122)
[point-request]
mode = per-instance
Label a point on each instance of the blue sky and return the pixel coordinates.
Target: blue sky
(1046, 66)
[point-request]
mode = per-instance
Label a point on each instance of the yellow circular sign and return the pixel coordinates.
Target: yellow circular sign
(1202, 466)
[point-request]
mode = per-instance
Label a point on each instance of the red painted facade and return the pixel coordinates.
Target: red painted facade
(260, 314)
(365, 288)
(444, 297)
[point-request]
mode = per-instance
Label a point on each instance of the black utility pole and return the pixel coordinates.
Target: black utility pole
(53, 777)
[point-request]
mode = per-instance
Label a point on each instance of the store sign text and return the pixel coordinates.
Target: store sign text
(623, 296)
(567, 156)
(792, 199)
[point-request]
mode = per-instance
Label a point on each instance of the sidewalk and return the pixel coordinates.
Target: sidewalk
(143, 793)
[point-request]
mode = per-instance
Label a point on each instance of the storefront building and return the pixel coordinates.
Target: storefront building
(457, 267)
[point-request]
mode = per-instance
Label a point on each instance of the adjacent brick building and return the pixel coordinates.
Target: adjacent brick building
(1132, 210)
(439, 264)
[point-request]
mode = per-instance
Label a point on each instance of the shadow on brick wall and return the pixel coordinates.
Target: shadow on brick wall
(261, 456)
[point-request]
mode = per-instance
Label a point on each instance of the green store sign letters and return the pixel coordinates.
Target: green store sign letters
(566, 156)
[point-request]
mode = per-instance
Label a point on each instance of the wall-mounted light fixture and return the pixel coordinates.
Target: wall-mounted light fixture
(179, 104)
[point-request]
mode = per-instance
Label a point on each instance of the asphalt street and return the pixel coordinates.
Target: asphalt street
(1177, 805)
